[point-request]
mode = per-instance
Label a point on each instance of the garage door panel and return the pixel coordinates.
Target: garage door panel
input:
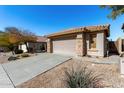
(66, 47)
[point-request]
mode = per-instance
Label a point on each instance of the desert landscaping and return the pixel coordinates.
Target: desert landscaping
(62, 46)
(55, 78)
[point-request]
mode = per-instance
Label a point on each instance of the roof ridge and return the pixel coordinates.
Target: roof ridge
(81, 28)
(74, 28)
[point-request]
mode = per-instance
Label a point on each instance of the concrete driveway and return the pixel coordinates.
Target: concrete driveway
(5, 81)
(25, 69)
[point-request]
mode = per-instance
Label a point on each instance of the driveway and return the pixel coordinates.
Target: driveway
(25, 69)
(5, 81)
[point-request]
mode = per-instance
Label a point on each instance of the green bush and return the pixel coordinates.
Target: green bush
(25, 55)
(18, 51)
(82, 78)
(11, 58)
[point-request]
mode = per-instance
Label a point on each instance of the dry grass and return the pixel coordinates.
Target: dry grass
(55, 77)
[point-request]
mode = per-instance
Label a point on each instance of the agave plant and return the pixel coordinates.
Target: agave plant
(82, 77)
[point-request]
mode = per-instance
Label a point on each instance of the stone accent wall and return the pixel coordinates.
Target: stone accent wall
(49, 45)
(80, 45)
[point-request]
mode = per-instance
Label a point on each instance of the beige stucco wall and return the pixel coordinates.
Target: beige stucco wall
(100, 46)
(119, 45)
(106, 47)
(23, 47)
(82, 44)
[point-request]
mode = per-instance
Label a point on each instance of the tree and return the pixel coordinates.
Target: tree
(116, 10)
(17, 36)
(28, 37)
(14, 37)
(4, 39)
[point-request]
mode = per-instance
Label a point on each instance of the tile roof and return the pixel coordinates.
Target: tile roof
(83, 29)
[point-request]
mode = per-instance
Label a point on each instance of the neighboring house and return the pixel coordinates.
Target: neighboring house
(120, 43)
(39, 46)
(3, 49)
(82, 41)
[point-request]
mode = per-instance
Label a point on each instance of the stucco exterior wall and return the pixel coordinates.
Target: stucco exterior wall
(23, 47)
(106, 47)
(100, 44)
(119, 45)
(82, 44)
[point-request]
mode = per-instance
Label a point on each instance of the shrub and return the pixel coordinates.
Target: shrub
(82, 78)
(18, 51)
(25, 55)
(12, 58)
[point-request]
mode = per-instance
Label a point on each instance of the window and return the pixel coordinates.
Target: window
(92, 41)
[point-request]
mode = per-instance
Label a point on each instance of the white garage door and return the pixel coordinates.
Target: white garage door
(66, 47)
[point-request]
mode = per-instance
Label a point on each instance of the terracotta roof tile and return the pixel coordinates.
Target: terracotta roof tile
(83, 29)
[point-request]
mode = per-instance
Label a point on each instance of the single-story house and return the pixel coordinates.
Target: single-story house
(39, 46)
(81, 41)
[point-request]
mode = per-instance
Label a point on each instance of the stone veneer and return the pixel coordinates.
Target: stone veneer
(79, 44)
(49, 46)
(82, 45)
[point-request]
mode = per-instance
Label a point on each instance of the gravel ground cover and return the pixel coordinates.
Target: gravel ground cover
(55, 78)
(4, 56)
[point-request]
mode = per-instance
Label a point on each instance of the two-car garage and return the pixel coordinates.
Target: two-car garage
(65, 46)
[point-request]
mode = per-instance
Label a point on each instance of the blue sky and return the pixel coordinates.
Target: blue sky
(44, 20)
